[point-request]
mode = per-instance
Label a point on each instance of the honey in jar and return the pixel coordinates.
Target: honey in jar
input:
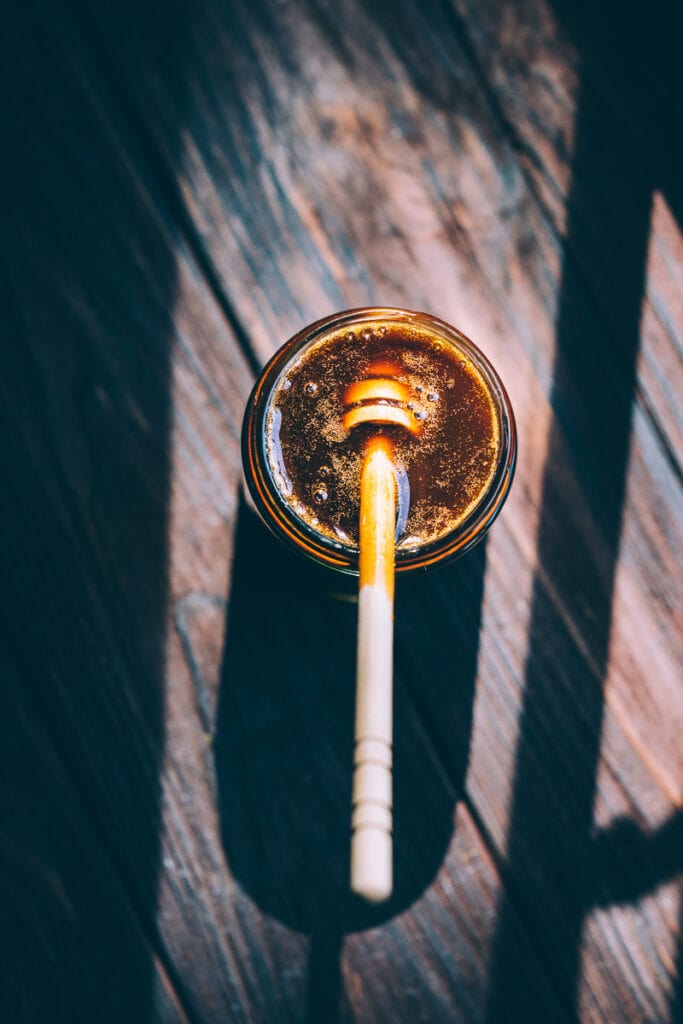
(453, 469)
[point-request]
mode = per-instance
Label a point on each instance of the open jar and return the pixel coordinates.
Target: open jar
(302, 463)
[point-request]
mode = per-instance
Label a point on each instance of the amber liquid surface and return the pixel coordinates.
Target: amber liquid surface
(443, 471)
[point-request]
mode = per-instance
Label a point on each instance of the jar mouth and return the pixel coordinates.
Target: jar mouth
(280, 515)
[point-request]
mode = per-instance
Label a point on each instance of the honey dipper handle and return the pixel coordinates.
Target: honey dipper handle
(371, 846)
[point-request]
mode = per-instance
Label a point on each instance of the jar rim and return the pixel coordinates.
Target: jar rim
(281, 518)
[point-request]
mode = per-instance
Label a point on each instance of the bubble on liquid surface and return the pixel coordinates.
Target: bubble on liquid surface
(451, 415)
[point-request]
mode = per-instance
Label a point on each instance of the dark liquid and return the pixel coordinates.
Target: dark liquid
(443, 472)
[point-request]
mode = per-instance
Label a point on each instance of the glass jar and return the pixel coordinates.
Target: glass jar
(469, 437)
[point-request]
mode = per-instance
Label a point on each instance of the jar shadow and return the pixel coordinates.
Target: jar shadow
(284, 737)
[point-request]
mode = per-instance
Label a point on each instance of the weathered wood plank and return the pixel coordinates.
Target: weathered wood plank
(73, 944)
(89, 282)
(610, 188)
(258, 167)
(409, 184)
(203, 974)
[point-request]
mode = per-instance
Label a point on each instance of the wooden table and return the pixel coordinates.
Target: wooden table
(185, 185)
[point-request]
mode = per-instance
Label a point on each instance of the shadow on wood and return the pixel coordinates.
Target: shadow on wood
(558, 869)
(88, 288)
(284, 738)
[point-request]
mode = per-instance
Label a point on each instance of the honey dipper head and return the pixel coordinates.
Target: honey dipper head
(381, 399)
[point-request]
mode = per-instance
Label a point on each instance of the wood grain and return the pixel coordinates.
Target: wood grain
(190, 185)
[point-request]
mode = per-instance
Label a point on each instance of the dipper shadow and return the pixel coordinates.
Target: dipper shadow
(284, 739)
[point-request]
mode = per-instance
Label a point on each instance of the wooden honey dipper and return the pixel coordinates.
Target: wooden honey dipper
(379, 399)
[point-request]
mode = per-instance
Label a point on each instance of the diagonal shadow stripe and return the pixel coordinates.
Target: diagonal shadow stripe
(549, 878)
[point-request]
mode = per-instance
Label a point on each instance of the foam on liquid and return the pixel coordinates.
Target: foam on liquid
(443, 473)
